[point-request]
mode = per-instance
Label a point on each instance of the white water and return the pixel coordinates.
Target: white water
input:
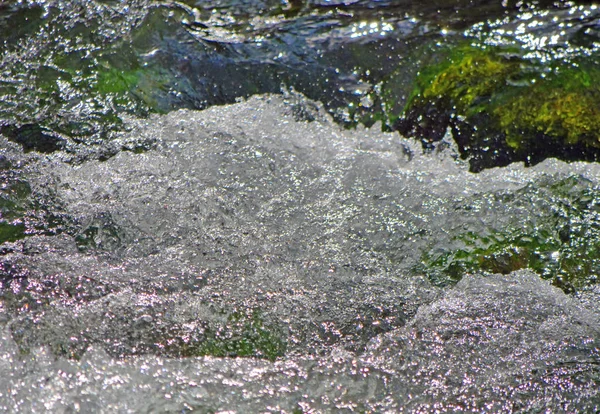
(249, 208)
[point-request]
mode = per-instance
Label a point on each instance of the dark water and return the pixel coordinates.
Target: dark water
(76, 69)
(272, 253)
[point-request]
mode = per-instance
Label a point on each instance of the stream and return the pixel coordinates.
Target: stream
(206, 206)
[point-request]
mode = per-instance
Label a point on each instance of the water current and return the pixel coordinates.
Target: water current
(189, 225)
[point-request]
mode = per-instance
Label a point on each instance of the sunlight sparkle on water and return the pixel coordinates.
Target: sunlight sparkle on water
(363, 28)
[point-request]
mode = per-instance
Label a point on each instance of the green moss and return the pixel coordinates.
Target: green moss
(470, 76)
(114, 80)
(562, 246)
(10, 232)
(536, 109)
(464, 80)
(244, 335)
(14, 198)
(78, 83)
(569, 265)
(497, 252)
(14, 201)
(564, 108)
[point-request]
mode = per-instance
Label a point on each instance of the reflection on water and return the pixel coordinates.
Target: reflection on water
(78, 68)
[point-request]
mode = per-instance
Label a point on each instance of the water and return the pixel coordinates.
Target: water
(257, 255)
(458, 354)
(294, 242)
(76, 70)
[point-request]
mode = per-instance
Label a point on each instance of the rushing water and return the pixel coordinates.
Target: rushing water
(307, 235)
(258, 256)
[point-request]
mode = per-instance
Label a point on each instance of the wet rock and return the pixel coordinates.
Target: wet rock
(502, 108)
(33, 137)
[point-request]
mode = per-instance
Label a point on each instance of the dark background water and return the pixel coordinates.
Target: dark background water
(70, 71)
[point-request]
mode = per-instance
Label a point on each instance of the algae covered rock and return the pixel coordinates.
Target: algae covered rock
(561, 244)
(502, 107)
(21, 211)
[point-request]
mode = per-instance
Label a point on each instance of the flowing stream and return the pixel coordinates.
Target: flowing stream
(189, 225)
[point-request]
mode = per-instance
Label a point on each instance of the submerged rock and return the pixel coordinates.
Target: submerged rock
(499, 343)
(502, 343)
(561, 244)
(33, 138)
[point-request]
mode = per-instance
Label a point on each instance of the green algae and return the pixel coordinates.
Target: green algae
(14, 201)
(532, 110)
(81, 72)
(14, 196)
(466, 80)
(10, 232)
(498, 252)
(562, 245)
(245, 334)
(455, 84)
(139, 85)
(241, 334)
(113, 80)
(564, 107)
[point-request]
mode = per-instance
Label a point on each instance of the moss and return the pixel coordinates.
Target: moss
(497, 252)
(14, 201)
(10, 232)
(132, 85)
(14, 197)
(563, 246)
(114, 80)
(569, 265)
(565, 108)
(464, 78)
(240, 334)
(533, 110)
(470, 76)
(457, 89)
(245, 334)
